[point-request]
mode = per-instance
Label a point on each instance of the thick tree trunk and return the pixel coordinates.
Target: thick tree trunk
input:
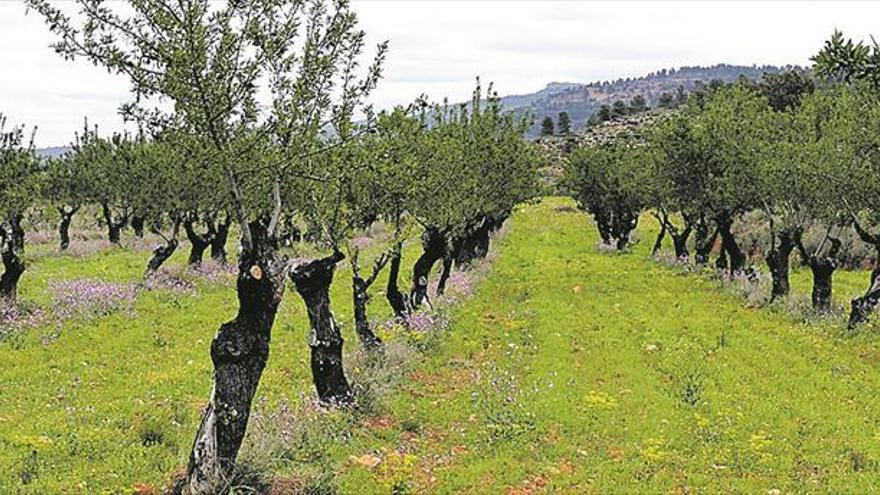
(658, 244)
(64, 225)
(862, 307)
(360, 295)
(114, 227)
(445, 272)
(312, 281)
(433, 249)
(679, 242)
(703, 242)
(160, 255)
(361, 321)
(823, 272)
(625, 223)
(475, 244)
(198, 243)
(735, 256)
(137, 224)
(721, 262)
(218, 240)
(239, 352)
(396, 299)
(12, 254)
(604, 225)
(778, 262)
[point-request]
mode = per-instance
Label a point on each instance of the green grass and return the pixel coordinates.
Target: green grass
(569, 370)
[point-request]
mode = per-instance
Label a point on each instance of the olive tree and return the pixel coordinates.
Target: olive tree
(712, 149)
(611, 182)
(209, 61)
(474, 167)
(19, 189)
(857, 64)
(65, 187)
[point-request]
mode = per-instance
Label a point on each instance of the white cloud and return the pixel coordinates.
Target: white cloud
(439, 47)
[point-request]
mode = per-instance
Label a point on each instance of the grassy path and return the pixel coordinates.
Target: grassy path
(569, 370)
(576, 371)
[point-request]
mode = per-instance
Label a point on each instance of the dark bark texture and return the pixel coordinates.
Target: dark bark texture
(735, 257)
(396, 299)
(822, 268)
(658, 244)
(778, 263)
(239, 352)
(12, 253)
(312, 281)
(615, 226)
(161, 254)
(360, 296)
(862, 307)
(199, 243)
(434, 248)
(137, 224)
(474, 244)
(219, 235)
(704, 240)
(114, 224)
(66, 213)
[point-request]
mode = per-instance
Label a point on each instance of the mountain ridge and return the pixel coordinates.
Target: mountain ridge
(582, 100)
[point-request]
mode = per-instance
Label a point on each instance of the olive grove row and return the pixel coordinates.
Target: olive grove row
(253, 120)
(799, 150)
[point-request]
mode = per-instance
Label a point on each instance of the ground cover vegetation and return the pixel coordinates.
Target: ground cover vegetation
(253, 125)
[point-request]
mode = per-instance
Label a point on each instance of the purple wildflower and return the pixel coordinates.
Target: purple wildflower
(420, 321)
(164, 279)
(15, 316)
(213, 271)
(89, 297)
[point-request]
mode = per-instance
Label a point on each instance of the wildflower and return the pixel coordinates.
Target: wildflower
(89, 297)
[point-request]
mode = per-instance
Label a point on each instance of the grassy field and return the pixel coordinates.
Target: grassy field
(569, 370)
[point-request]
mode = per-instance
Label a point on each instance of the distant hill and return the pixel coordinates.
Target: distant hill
(53, 152)
(583, 100)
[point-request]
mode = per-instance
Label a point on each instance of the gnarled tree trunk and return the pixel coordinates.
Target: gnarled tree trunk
(433, 249)
(164, 251)
(66, 213)
(862, 307)
(114, 226)
(625, 223)
(735, 256)
(679, 241)
(778, 262)
(822, 268)
(360, 296)
(658, 244)
(312, 281)
(396, 299)
(12, 253)
(474, 244)
(161, 253)
(137, 224)
(198, 243)
(445, 272)
(604, 224)
(239, 352)
(218, 239)
(704, 241)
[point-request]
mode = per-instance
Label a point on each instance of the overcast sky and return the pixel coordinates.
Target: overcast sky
(439, 47)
